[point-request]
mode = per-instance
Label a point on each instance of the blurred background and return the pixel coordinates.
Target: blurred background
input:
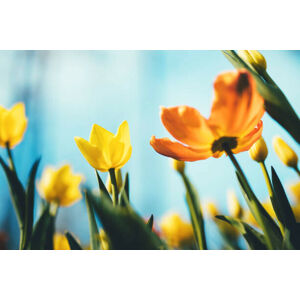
(65, 92)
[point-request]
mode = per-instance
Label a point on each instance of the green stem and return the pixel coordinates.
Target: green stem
(22, 239)
(254, 207)
(10, 157)
(267, 179)
(115, 186)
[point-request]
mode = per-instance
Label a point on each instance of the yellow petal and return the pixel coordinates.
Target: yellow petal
(99, 136)
(123, 134)
(92, 154)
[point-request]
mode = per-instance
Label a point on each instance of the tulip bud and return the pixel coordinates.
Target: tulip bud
(285, 153)
(259, 151)
(178, 165)
(212, 209)
(234, 207)
(254, 59)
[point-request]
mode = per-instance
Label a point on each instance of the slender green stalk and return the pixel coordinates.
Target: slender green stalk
(10, 158)
(254, 207)
(115, 186)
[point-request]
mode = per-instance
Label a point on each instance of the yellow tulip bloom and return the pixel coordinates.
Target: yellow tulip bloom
(254, 59)
(295, 189)
(259, 150)
(13, 123)
(104, 150)
(234, 207)
(285, 153)
(60, 186)
(60, 242)
(176, 231)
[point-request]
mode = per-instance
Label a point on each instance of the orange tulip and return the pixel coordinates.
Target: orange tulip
(234, 123)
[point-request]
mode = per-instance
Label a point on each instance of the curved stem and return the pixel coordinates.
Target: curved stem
(267, 178)
(115, 186)
(10, 157)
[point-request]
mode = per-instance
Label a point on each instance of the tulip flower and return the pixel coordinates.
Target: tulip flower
(254, 59)
(60, 242)
(285, 153)
(13, 123)
(104, 150)
(234, 207)
(259, 150)
(295, 190)
(60, 186)
(176, 231)
(234, 123)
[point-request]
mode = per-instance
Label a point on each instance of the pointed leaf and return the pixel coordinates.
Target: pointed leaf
(255, 240)
(102, 187)
(94, 233)
(150, 222)
(125, 229)
(74, 245)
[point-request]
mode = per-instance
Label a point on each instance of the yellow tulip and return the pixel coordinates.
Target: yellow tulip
(176, 231)
(60, 186)
(13, 123)
(178, 165)
(234, 207)
(295, 189)
(285, 153)
(60, 242)
(254, 59)
(104, 150)
(212, 209)
(259, 150)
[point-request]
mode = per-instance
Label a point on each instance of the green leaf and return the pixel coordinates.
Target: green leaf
(29, 205)
(255, 240)
(126, 185)
(102, 187)
(276, 103)
(281, 203)
(74, 245)
(125, 229)
(16, 191)
(42, 235)
(123, 198)
(269, 227)
(150, 222)
(94, 233)
(196, 215)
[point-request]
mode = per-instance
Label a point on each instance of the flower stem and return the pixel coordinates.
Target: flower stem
(10, 157)
(115, 186)
(267, 178)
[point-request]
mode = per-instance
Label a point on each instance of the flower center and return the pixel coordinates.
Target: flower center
(224, 142)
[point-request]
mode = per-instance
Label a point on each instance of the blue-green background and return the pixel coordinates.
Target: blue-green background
(67, 91)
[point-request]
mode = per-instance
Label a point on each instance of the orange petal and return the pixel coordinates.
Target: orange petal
(237, 106)
(187, 125)
(245, 143)
(178, 151)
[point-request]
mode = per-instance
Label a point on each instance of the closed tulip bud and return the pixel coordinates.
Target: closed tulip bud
(60, 186)
(60, 242)
(119, 180)
(234, 207)
(259, 151)
(13, 123)
(212, 209)
(254, 59)
(285, 153)
(178, 165)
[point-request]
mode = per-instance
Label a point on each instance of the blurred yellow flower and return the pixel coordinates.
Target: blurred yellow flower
(60, 242)
(119, 180)
(176, 231)
(285, 153)
(13, 123)
(295, 189)
(259, 150)
(60, 186)
(178, 165)
(254, 59)
(212, 209)
(234, 207)
(296, 211)
(104, 150)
